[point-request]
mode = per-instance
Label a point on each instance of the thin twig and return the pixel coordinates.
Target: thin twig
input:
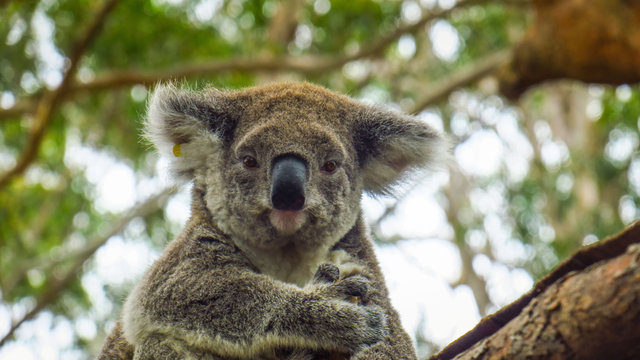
(59, 284)
(49, 101)
(457, 193)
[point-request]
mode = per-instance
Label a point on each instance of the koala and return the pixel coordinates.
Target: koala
(275, 261)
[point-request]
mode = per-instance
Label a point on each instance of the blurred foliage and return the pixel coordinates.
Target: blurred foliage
(50, 213)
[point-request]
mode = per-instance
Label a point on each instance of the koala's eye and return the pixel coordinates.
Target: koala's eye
(329, 166)
(249, 162)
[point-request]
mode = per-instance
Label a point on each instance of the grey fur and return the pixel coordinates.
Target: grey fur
(243, 281)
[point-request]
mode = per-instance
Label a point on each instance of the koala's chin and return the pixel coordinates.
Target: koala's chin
(287, 222)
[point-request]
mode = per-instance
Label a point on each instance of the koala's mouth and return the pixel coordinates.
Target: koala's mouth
(287, 221)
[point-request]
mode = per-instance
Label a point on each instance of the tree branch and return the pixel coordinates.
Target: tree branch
(575, 318)
(282, 28)
(557, 296)
(460, 78)
(300, 64)
(457, 198)
(49, 100)
(49, 207)
(59, 284)
(609, 56)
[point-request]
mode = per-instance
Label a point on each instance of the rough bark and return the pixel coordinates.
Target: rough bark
(589, 315)
(585, 309)
(596, 41)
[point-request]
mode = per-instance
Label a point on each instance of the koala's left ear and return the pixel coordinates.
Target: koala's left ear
(187, 126)
(391, 145)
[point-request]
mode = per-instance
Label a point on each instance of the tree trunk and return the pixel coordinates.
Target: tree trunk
(595, 41)
(585, 309)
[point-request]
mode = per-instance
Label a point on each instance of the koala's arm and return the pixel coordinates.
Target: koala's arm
(203, 296)
(397, 344)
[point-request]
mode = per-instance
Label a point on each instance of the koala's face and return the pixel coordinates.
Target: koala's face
(286, 163)
(289, 175)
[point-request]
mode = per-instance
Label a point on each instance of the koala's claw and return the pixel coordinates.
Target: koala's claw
(351, 289)
(357, 326)
(353, 286)
(327, 280)
(326, 273)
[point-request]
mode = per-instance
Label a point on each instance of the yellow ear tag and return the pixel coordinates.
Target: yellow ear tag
(177, 151)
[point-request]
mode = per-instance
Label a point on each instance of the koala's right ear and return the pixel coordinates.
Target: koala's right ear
(188, 126)
(392, 146)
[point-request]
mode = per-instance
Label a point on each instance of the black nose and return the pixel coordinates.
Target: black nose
(288, 180)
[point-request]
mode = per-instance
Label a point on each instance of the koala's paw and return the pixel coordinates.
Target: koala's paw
(326, 273)
(346, 323)
(376, 323)
(365, 326)
(354, 286)
(327, 284)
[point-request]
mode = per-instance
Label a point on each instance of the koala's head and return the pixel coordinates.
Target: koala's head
(286, 163)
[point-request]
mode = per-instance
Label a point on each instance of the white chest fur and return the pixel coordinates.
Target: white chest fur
(298, 267)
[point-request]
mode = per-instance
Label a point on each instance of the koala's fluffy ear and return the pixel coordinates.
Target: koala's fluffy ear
(392, 145)
(199, 123)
